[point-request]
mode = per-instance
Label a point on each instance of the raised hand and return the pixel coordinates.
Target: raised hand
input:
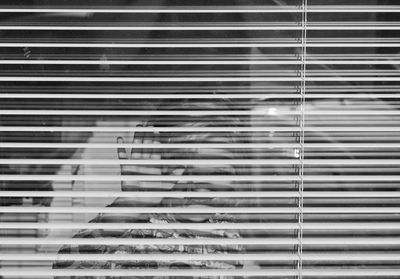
(141, 154)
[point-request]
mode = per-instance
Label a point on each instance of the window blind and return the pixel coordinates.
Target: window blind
(199, 139)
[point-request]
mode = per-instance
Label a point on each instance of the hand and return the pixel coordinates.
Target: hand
(140, 153)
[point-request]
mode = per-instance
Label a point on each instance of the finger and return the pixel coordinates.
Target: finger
(136, 151)
(157, 141)
(142, 170)
(122, 154)
(128, 169)
(147, 152)
(149, 170)
(150, 140)
(156, 154)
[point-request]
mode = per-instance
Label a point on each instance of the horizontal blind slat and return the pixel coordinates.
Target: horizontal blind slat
(271, 26)
(322, 241)
(167, 272)
(203, 161)
(251, 61)
(175, 194)
(218, 9)
(275, 257)
(199, 45)
(336, 145)
(174, 178)
(261, 112)
(365, 272)
(204, 210)
(322, 226)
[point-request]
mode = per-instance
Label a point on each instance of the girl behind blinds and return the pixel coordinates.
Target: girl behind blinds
(192, 169)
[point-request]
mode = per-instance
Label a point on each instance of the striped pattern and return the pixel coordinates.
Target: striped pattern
(165, 139)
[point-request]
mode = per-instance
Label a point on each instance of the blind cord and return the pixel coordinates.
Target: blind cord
(302, 127)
